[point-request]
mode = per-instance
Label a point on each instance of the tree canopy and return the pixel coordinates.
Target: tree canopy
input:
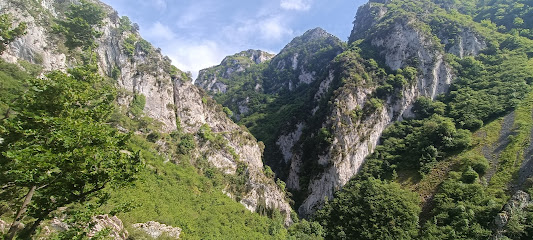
(58, 148)
(371, 209)
(80, 23)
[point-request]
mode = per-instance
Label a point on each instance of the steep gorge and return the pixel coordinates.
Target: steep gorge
(347, 86)
(406, 117)
(170, 97)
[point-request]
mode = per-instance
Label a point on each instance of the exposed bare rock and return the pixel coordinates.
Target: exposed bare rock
(286, 142)
(196, 109)
(155, 229)
(147, 72)
(114, 224)
(141, 74)
(517, 204)
(295, 58)
(99, 223)
(354, 141)
(3, 226)
(367, 16)
(215, 79)
(469, 44)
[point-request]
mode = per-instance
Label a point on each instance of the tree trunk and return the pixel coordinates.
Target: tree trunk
(28, 232)
(14, 226)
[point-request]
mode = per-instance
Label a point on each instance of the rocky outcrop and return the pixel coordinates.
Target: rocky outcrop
(99, 223)
(3, 226)
(113, 224)
(144, 73)
(403, 43)
(155, 229)
(467, 43)
(196, 109)
(303, 60)
(36, 46)
(216, 79)
(398, 44)
(286, 142)
(514, 207)
(367, 16)
(170, 98)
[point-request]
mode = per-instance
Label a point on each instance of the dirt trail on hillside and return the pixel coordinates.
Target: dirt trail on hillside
(526, 170)
(492, 153)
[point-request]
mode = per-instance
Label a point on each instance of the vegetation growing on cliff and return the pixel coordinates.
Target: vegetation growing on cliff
(445, 174)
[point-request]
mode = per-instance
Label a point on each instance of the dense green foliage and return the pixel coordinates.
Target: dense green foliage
(190, 196)
(473, 100)
(179, 187)
(463, 210)
(371, 209)
(12, 81)
(487, 86)
(8, 33)
(515, 17)
(79, 25)
(58, 145)
(60, 136)
(419, 144)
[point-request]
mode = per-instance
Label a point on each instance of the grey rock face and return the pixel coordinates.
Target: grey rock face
(296, 58)
(469, 44)
(113, 223)
(398, 46)
(367, 16)
(517, 204)
(212, 79)
(166, 98)
(3, 226)
(155, 229)
(286, 142)
(193, 113)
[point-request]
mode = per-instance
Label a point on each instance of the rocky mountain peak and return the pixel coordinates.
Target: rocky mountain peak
(255, 56)
(367, 16)
(316, 34)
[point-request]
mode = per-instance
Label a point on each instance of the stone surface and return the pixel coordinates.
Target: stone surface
(3, 226)
(193, 113)
(211, 79)
(155, 229)
(400, 43)
(516, 204)
(114, 224)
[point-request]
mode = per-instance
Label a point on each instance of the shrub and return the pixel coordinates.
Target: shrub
(469, 176)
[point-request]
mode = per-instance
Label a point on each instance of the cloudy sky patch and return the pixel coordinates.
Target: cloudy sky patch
(197, 34)
(299, 5)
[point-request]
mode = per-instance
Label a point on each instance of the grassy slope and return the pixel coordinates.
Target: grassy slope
(179, 195)
(174, 194)
(506, 165)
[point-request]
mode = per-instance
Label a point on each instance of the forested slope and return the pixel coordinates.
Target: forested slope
(431, 97)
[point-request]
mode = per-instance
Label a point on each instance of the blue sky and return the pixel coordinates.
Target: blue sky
(197, 34)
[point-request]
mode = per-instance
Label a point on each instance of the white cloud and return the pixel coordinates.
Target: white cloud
(270, 29)
(192, 15)
(298, 5)
(194, 56)
(160, 32)
(191, 51)
(185, 53)
(273, 28)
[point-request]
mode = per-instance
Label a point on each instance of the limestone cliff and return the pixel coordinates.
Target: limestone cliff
(215, 79)
(400, 42)
(171, 98)
(301, 62)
